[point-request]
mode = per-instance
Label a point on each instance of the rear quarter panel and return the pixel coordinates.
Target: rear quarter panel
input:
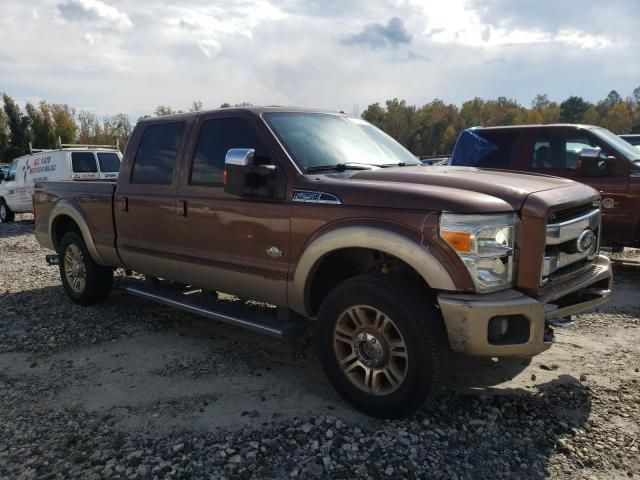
(89, 204)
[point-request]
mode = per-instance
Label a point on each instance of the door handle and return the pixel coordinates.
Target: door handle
(182, 208)
(124, 204)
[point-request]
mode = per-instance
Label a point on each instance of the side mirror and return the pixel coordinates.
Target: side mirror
(593, 162)
(240, 157)
(243, 177)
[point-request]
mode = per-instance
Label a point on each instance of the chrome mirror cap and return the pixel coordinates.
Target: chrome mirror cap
(591, 152)
(241, 157)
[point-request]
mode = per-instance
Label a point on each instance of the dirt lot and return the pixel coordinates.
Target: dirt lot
(129, 389)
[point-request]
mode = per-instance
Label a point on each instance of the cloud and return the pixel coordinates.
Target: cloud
(94, 11)
(377, 35)
(114, 56)
(614, 19)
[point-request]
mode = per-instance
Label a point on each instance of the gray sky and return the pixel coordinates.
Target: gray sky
(113, 56)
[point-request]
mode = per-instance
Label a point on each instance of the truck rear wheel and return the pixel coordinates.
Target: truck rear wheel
(85, 281)
(382, 344)
(6, 215)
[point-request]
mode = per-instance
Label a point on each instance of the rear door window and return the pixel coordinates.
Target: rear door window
(109, 162)
(83, 162)
(501, 157)
(156, 157)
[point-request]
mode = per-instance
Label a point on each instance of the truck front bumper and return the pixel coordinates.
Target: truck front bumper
(512, 324)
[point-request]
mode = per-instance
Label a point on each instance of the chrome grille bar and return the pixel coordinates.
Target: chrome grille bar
(569, 230)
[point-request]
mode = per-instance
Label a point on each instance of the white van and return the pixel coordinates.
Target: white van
(66, 163)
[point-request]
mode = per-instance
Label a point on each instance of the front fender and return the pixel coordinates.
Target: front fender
(414, 254)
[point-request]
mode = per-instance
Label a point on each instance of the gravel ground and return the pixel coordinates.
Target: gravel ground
(129, 389)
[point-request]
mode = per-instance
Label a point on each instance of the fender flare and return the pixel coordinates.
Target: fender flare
(67, 208)
(414, 254)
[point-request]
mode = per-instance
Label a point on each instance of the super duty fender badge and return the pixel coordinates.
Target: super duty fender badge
(310, 196)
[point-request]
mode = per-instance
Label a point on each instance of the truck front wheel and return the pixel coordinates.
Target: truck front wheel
(382, 344)
(85, 281)
(6, 215)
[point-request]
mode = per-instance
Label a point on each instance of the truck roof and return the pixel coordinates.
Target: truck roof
(257, 110)
(539, 125)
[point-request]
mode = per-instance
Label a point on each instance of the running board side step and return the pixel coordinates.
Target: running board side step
(193, 301)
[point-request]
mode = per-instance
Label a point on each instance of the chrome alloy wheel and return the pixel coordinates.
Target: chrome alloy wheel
(74, 268)
(370, 350)
(3, 212)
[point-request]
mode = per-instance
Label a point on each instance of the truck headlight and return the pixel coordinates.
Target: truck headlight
(485, 243)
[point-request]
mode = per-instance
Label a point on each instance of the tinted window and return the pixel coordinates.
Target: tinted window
(217, 136)
(559, 151)
(501, 156)
(109, 162)
(84, 162)
(156, 157)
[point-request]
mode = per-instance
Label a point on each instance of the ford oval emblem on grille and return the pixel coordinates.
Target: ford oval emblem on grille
(586, 241)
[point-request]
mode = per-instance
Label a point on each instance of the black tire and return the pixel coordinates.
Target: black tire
(414, 316)
(98, 278)
(6, 215)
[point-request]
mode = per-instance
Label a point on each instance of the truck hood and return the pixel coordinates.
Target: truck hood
(462, 189)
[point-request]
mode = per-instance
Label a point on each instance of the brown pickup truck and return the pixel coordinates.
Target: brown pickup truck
(325, 217)
(584, 153)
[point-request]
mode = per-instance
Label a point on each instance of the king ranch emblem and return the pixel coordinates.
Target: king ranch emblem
(274, 252)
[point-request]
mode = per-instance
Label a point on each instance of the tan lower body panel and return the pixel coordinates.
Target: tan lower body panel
(467, 316)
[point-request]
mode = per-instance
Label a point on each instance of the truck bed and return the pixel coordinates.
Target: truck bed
(95, 202)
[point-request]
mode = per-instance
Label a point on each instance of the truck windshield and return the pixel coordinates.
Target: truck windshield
(629, 151)
(109, 162)
(325, 140)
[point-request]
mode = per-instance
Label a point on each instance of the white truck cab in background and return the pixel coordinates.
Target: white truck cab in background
(69, 162)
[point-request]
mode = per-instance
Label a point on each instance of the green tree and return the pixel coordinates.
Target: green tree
(573, 109)
(162, 110)
(4, 134)
(196, 106)
(65, 128)
(618, 119)
(474, 112)
(89, 127)
(549, 112)
(18, 126)
(42, 126)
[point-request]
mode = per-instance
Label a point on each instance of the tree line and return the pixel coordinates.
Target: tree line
(429, 129)
(433, 128)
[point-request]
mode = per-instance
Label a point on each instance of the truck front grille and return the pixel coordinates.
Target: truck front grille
(572, 242)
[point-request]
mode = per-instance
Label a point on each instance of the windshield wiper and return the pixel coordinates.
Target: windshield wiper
(401, 164)
(340, 167)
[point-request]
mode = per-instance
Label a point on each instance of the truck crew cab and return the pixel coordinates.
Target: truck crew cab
(329, 219)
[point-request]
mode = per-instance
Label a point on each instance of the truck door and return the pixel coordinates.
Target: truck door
(11, 187)
(232, 244)
(145, 201)
(611, 178)
(556, 152)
